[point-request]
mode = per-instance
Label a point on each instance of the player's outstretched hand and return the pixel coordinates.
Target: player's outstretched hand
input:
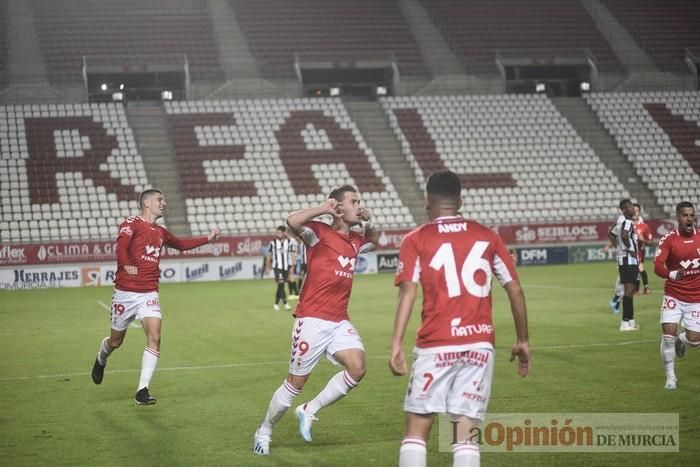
(332, 207)
(133, 270)
(214, 234)
(397, 362)
(522, 351)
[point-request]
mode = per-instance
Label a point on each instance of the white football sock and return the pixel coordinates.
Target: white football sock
(668, 355)
(280, 402)
(413, 453)
(466, 455)
(683, 338)
(148, 366)
(338, 386)
(105, 351)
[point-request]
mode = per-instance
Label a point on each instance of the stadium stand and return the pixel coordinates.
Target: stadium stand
(277, 29)
(70, 29)
(664, 28)
(658, 132)
(245, 165)
(476, 30)
(4, 45)
(67, 172)
(520, 160)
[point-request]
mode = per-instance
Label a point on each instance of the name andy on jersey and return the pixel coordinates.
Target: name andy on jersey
(452, 228)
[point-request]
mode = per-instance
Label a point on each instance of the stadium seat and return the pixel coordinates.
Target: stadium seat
(512, 170)
(270, 157)
(659, 133)
(72, 166)
(478, 30)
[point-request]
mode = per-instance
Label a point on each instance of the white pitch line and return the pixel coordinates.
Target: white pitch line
(247, 364)
(562, 287)
(104, 305)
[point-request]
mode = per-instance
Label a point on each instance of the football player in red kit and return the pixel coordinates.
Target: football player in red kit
(677, 260)
(139, 245)
(322, 326)
(454, 260)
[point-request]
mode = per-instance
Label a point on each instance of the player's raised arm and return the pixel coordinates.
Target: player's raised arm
(407, 296)
(521, 348)
(371, 232)
(190, 243)
(298, 219)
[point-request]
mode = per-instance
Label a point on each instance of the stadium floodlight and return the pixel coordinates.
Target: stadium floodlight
(540, 87)
(117, 96)
(103, 86)
(382, 90)
(121, 87)
(334, 91)
(585, 86)
(166, 95)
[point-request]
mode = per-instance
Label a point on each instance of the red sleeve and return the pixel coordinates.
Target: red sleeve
(408, 269)
(660, 257)
(126, 233)
(183, 243)
(123, 250)
(317, 229)
(647, 233)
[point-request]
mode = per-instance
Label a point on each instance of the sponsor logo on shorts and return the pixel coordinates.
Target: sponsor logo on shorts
(469, 357)
(154, 302)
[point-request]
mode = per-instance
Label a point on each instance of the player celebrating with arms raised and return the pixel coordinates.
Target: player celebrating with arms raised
(322, 326)
(454, 259)
(678, 261)
(139, 246)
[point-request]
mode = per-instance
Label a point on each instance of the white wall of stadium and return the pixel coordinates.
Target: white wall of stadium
(29, 277)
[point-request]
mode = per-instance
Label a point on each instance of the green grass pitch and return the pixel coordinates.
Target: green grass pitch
(224, 351)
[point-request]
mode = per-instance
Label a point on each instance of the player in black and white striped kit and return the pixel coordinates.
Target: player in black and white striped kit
(301, 267)
(624, 236)
(279, 257)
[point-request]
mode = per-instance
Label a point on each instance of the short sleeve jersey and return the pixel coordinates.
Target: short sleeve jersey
(454, 260)
(680, 252)
(331, 257)
(145, 243)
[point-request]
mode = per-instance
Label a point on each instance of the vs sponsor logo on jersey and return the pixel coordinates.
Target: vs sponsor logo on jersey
(691, 263)
(347, 267)
(152, 253)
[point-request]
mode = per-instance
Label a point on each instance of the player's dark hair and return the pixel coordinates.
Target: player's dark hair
(624, 202)
(146, 193)
(445, 184)
(683, 205)
(339, 193)
(281, 228)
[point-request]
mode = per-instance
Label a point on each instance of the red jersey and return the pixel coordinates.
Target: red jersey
(454, 259)
(643, 233)
(331, 258)
(677, 252)
(139, 244)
